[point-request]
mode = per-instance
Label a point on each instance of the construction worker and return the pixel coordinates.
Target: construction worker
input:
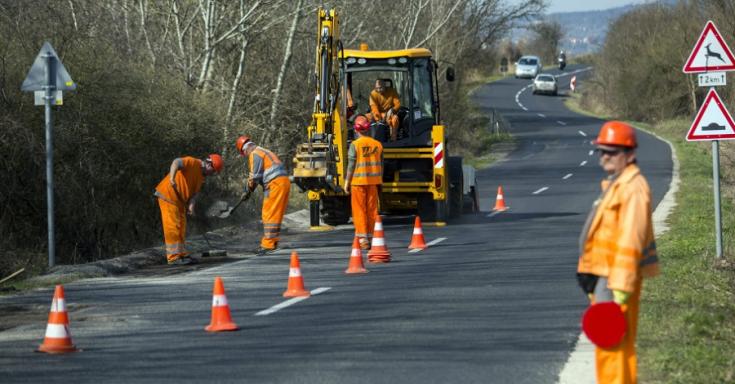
(176, 195)
(267, 170)
(364, 175)
(617, 246)
(384, 105)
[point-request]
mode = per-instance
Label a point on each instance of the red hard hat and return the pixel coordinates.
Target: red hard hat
(242, 140)
(217, 162)
(618, 134)
(361, 124)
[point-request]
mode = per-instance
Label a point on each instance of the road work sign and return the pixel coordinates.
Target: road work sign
(36, 78)
(710, 53)
(713, 121)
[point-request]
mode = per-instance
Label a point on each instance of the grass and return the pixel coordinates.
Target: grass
(686, 333)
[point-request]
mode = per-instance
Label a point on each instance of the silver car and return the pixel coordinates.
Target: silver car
(528, 67)
(545, 83)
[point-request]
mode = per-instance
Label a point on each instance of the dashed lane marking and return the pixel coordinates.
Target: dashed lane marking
(540, 190)
(568, 175)
(541, 115)
(290, 302)
(592, 152)
(429, 244)
(582, 133)
(582, 164)
(561, 122)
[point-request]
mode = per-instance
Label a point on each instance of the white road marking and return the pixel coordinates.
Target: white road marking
(522, 107)
(530, 155)
(540, 190)
(592, 152)
(582, 133)
(541, 115)
(290, 302)
(429, 244)
(567, 176)
(582, 164)
(561, 122)
(496, 213)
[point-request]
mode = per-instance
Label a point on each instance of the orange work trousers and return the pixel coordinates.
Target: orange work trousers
(364, 209)
(173, 218)
(275, 201)
(618, 365)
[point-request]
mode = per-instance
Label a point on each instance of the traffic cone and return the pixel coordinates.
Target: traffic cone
(417, 240)
(500, 201)
(58, 337)
(356, 265)
(221, 318)
(379, 253)
(295, 280)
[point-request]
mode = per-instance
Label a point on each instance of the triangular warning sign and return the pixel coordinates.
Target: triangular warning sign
(710, 53)
(713, 121)
(36, 78)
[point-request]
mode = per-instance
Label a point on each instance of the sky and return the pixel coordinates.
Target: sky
(585, 5)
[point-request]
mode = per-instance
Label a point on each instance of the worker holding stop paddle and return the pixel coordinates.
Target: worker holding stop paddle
(617, 250)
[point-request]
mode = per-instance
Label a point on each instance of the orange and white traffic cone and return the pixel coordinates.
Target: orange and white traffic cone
(379, 253)
(500, 201)
(221, 318)
(356, 265)
(417, 240)
(58, 337)
(295, 280)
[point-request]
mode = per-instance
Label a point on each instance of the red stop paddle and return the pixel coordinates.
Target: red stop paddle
(604, 324)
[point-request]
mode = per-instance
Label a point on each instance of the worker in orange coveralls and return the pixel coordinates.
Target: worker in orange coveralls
(176, 195)
(364, 175)
(384, 105)
(617, 246)
(267, 170)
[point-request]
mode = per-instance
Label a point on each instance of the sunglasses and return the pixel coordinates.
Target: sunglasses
(609, 152)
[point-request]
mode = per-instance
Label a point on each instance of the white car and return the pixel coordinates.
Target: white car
(528, 67)
(545, 83)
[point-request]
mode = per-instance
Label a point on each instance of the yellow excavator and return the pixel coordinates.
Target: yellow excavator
(418, 174)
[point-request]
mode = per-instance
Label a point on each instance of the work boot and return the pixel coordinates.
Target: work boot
(264, 251)
(186, 260)
(364, 244)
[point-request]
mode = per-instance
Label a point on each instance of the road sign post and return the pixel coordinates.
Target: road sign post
(47, 74)
(713, 121)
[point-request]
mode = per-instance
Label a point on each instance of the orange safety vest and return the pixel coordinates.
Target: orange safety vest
(619, 243)
(189, 180)
(265, 166)
(368, 161)
(381, 103)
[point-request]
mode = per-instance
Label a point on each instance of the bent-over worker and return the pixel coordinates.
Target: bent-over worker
(364, 175)
(617, 246)
(176, 195)
(384, 105)
(267, 170)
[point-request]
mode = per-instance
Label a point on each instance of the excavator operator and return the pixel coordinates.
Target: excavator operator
(384, 105)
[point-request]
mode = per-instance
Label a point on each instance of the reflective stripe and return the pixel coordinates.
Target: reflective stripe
(57, 331)
(294, 272)
(219, 300)
(367, 174)
(356, 252)
(653, 259)
(58, 305)
(378, 226)
(361, 234)
(418, 231)
(379, 241)
(438, 155)
(367, 164)
(173, 249)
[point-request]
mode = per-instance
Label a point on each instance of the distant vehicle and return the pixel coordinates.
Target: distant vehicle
(545, 83)
(562, 60)
(528, 67)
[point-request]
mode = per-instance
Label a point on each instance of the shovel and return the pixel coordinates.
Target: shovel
(225, 213)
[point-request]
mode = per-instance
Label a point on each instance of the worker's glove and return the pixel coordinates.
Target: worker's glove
(620, 297)
(251, 185)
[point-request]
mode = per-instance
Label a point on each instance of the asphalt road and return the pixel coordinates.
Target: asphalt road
(496, 301)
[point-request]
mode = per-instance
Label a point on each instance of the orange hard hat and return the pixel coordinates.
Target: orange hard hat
(618, 134)
(241, 141)
(361, 124)
(217, 162)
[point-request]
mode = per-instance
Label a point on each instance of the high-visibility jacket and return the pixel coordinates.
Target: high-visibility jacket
(265, 166)
(380, 103)
(365, 161)
(189, 181)
(619, 243)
